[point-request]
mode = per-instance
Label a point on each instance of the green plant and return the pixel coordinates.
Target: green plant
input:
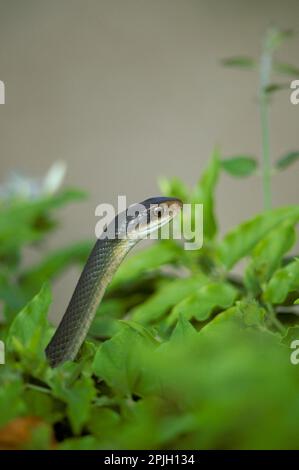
(192, 356)
(243, 166)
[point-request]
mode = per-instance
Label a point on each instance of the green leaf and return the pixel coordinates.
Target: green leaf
(286, 69)
(239, 166)
(246, 312)
(204, 194)
(241, 240)
(143, 262)
(41, 438)
(174, 188)
(268, 253)
(76, 389)
(183, 331)
(11, 294)
(23, 221)
(11, 403)
(82, 392)
(286, 160)
(291, 335)
(29, 332)
(273, 87)
(80, 443)
(276, 37)
(53, 265)
(166, 297)
(103, 423)
(41, 404)
(202, 303)
(296, 302)
(251, 312)
(283, 281)
(117, 360)
(61, 199)
(243, 62)
(140, 329)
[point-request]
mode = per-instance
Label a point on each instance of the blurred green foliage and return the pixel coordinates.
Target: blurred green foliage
(192, 356)
(183, 353)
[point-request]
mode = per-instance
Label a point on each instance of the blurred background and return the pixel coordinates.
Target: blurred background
(126, 91)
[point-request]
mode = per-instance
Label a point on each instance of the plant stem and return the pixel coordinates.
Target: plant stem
(38, 388)
(274, 319)
(266, 154)
(265, 72)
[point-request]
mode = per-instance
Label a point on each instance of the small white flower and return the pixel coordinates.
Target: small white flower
(21, 186)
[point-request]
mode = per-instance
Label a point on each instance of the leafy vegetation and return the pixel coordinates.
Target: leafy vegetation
(183, 352)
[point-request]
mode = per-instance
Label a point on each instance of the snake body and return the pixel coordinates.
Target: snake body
(104, 259)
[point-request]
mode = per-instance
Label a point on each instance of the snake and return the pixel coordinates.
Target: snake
(137, 222)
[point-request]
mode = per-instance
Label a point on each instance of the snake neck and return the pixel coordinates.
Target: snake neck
(99, 269)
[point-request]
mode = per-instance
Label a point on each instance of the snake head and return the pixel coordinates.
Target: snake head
(150, 215)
